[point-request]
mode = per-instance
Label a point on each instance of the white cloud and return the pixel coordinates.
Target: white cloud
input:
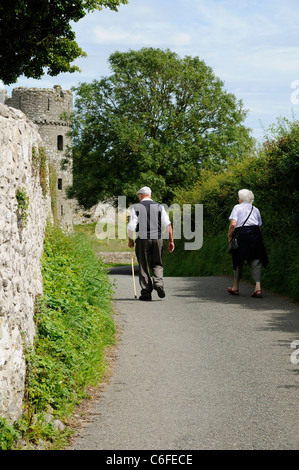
(111, 35)
(181, 39)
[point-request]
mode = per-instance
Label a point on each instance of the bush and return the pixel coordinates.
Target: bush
(273, 176)
(8, 435)
(73, 320)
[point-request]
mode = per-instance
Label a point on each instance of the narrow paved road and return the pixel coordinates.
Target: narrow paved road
(199, 369)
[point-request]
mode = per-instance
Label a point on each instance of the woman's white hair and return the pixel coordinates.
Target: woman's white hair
(246, 195)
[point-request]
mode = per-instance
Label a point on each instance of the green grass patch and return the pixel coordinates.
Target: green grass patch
(108, 244)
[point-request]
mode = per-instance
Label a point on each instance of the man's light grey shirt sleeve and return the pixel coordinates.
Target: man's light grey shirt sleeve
(165, 220)
(132, 222)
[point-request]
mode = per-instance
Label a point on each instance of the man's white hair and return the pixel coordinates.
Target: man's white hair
(246, 195)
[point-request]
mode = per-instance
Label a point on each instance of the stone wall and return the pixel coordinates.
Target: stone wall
(20, 252)
(46, 107)
(117, 257)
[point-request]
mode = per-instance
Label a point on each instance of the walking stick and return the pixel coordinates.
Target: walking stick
(133, 274)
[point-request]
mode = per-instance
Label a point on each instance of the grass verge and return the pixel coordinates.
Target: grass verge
(74, 326)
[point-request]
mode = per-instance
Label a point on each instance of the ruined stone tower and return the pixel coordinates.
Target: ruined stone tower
(44, 106)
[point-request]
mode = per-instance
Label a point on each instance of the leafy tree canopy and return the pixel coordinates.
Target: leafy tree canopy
(36, 35)
(156, 121)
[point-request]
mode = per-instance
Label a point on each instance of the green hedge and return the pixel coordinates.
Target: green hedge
(273, 176)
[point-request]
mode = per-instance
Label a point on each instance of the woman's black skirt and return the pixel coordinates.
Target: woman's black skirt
(251, 246)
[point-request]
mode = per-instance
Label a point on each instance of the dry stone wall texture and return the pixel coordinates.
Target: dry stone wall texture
(20, 252)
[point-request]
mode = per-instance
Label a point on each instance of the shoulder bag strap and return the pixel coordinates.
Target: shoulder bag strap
(247, 217)
(235, 232)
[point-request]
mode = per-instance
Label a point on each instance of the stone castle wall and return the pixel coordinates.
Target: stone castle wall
(20, 252)
(45, 107)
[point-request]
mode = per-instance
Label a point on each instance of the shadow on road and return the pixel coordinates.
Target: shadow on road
(280, 314)
(215, 289)
(125, 270)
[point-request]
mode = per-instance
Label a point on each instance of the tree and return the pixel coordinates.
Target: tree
(156, 121)
(36, 34)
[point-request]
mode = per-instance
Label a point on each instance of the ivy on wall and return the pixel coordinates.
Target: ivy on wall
(23, 204)
(53, 191)
(40, 167)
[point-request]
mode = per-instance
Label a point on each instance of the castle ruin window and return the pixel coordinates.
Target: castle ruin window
(60, 142)
(59, 185)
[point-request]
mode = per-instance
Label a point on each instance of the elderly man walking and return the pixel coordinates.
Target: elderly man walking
(148, 219)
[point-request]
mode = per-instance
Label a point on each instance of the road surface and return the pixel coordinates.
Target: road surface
(199, 370)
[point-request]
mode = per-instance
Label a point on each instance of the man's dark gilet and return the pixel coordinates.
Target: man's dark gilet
(149, 220)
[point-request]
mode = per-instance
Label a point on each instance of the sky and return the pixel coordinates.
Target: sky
(251, 45)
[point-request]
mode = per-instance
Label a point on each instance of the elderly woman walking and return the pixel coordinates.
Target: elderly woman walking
(245, 223)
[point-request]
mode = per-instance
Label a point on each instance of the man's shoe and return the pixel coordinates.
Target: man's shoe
(146, 298)
(160, 292)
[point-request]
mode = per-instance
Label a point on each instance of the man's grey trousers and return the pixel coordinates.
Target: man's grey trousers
(149, 256)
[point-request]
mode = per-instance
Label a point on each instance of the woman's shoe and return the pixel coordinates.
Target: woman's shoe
(257, 294)
(232, 292)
